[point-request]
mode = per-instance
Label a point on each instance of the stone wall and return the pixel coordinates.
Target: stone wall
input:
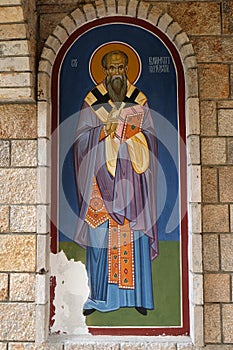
(23, 231)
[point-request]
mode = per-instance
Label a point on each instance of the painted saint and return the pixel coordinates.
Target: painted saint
(115, 165)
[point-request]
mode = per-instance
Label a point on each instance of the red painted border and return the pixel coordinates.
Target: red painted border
(184, 224)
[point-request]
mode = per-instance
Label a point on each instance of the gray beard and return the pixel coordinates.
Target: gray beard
(117, 87)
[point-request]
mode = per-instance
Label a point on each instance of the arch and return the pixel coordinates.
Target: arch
(179, 38)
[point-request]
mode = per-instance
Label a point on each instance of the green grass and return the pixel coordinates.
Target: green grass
(166, 288)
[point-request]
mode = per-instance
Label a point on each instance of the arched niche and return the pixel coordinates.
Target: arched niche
(170, 33)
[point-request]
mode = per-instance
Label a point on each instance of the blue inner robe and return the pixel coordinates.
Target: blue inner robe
(106, 296)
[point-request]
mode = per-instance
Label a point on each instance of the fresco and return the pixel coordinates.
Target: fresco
(121, 195)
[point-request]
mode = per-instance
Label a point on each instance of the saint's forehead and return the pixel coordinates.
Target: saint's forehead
(115, 59)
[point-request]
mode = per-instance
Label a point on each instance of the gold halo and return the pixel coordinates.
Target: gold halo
(134, 64)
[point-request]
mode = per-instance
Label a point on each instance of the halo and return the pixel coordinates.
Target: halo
(134, 64)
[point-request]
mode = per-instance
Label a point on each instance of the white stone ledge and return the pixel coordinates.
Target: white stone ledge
(43, 219)
(196, 288)
(44, 119)
(193, 116)
(193, 149)
(42, 323)
(195, 253)
(194, 214)
(43, 185)
(42, 293)
(42, 256)
(44, 152)
(125, 342)
(194, 183)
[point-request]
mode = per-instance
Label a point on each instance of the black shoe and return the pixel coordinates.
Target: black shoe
(88, 312)
(141, 310)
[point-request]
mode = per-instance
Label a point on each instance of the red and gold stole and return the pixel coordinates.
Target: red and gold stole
(120, 241)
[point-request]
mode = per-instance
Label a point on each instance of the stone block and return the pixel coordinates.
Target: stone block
(230, 151)
(217, 288)
(209, 184)
(212, 75)
(142, 11)
(100, 8)
(43, 185)
(164, 22)
(23, 346)
(213, 151)
(226, 244)
(186, 51)
(190, 62)
(22, 287)
(43, 86)
(68, 24)
(78, 17)
(213, 49)
(197, 18)
(227, 315)
(43, 152)
(44, 125)
(193, 145)
(11, 14)
(42, 254)
(16, 94)
(211, 252)
(17, 322)
(24, 153)
(10, 2)
(231, 218)
(43, 219)
(53, 43)
(15, 79)
(195, 217)
(194, 183)
(196, 289)
(154, 15)
(17, 253)
(42, 289)
(195, 256)
(18, 121)
(13, 48)
(208, 118)
(121, 7)
(42, 325)
(192, 83)
(79, 346)
(225, 122)
(3, 286)
(173, 30)
(46, 67)
(4, 153)
(61, 34)
(9, 64)
(4, 218)
(48, 54)
(227, 15)
(197, 330)
(212, 323)
(13, 31)
(106, 346)
(215, 218)
(3, 346)
(23, 218)
(18, 186)
(193, 118)
(225, 184)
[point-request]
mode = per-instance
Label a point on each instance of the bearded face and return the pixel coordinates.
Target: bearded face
(117, 87)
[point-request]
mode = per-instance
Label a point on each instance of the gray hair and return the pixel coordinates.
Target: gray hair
(110, 53)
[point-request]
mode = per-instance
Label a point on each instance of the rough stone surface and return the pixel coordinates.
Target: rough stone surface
(230, 151)
(22, 287)
(225, 122)
(215, 218)
(225, 184)
(227, 14)
(227, 313)
(17, 253)
(213, 49)
(15, 327)
(23, 218)
(217, 288)
(208, 118)
(12, 31)
(209, 185)
(3, 286)
(226, 242)
(4, 153)
(213, 150)
(4, 218)
(212, 75)
(18, 121)
(197, 18)
(10, 14)
(24, 153)
(211, 252)
(212, 323)
(18, 186)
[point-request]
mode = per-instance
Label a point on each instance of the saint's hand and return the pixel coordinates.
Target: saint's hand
(110, 127)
